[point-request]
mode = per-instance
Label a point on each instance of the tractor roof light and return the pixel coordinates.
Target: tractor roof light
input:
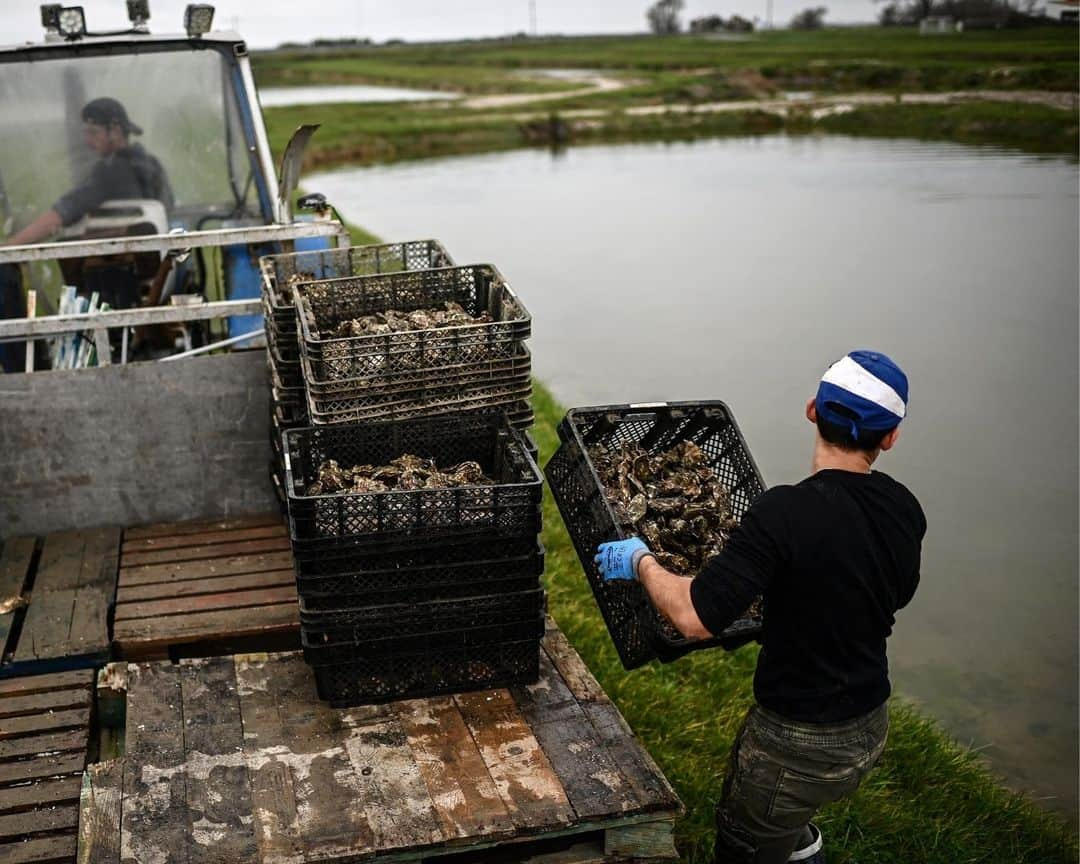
(139, 14)
(198, 18)
(71, 22)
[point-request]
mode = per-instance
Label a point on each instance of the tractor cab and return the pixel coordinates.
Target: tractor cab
(181, 201)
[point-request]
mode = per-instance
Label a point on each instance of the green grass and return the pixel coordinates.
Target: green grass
(832, 59)
(930, 801)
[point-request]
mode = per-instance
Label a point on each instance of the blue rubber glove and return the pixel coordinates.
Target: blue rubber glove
(619, 558)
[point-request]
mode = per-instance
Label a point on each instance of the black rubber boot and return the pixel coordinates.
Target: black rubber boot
(814, 853)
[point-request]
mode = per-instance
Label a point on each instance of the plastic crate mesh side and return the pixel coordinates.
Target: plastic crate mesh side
(385, 679)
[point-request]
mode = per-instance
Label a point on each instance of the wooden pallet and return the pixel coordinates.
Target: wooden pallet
(44, 736)
(192, 589)
(235, 759)
(55, 595)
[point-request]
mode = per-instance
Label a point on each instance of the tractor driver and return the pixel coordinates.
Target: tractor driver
(834, 558)
(125, 170)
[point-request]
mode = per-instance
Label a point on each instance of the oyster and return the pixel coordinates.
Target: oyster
(407, 472)
(672, 499)
(391, 321)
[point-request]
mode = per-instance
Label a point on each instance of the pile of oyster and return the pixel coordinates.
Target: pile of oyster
(404, 473)
(672, 500)
(391, 321)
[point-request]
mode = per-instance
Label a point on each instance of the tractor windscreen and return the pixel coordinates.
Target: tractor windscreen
(179, 110)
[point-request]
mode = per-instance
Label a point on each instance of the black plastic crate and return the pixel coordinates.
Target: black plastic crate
(509, 507)
(428, 619)
(437, 580)
(432, 399)
(317, 559)
(278, 270)
(491, 369)
(322, 645)
(638, 630)
(432, 671)
(322, 306)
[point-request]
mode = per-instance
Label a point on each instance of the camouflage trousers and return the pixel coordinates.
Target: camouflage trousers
(781, 772)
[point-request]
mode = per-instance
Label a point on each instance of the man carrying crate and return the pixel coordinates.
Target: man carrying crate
(834, 558)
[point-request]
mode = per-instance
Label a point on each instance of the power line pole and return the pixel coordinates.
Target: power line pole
(532, 17)
(768, 13)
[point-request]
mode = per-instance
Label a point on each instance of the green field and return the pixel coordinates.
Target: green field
(835, 59)
(671, 74)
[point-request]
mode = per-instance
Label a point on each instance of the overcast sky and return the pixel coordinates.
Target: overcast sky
(266, 23)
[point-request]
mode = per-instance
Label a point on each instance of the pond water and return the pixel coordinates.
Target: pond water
(323, 94)
(738, 269)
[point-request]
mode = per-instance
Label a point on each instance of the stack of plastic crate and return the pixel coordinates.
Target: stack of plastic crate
(417, 591)
(288, 406)
(480, 364)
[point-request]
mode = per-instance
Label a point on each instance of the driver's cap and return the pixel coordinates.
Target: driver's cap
(106, 111)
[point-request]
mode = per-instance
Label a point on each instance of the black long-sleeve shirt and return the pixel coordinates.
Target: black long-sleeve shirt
(834, 557)
(127, 173)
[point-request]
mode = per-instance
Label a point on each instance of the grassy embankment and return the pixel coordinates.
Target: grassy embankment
(670, 73)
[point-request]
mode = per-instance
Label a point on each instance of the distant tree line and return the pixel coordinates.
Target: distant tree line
(974, 13)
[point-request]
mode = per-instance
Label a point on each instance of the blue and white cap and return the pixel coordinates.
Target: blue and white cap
(868, 387)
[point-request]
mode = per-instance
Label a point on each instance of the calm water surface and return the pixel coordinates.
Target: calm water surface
(738, 269)
(275, 97)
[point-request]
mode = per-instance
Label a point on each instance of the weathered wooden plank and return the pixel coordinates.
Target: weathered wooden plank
(570, 666)
(191, 587)
(99, 813)
(46, 850)
(50, 742)
(15, 559)
(144, 637)
(647, 841)
(154, 821)
(466, 801)
(651, 787)
(72, 559)
(527, 784)
(63, 624)
(337, 784)
(218, 794)
(67, 619)
(178, 541)
(206, 603)
(148, 574)
(201, 553)
(20, 825)
(29, 684)
(47, 793)
(41, 767)
(33, 724)
(172, 529)
(593, 782)
(39, 703)
(276, 773)
(389, 784)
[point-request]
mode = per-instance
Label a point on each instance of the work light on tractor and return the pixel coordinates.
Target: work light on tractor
(198, 18)
(139, 14)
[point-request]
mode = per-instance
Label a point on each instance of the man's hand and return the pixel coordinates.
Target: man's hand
(619, 559)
